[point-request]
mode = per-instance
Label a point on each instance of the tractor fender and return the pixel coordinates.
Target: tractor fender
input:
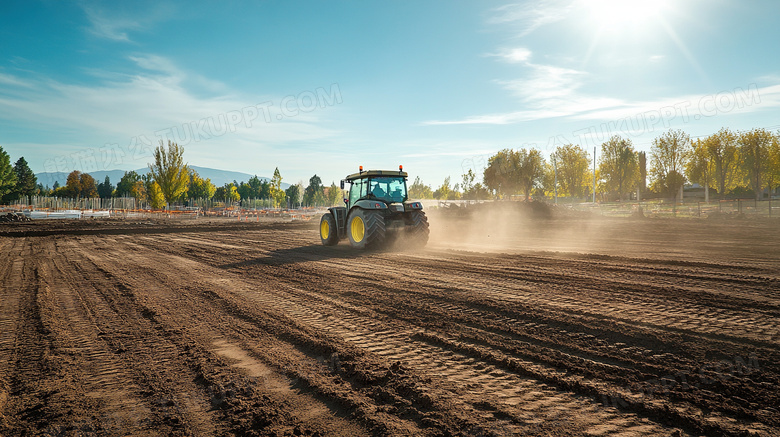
(369, 204)
(337, 210)
(340, 215)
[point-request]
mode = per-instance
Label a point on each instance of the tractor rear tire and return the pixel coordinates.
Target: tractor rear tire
(418, 231)
(366, 229)
(329, 232)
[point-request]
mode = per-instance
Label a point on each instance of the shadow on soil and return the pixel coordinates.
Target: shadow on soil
(294, 255)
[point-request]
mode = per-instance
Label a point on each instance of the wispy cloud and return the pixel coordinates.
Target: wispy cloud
(545, 82)
(110, 27)
(6, 79)
(529, 16)
(151, 101)
(547, 91)
(513, 56)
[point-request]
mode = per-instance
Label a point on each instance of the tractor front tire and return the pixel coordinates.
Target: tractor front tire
(418, 231)
(366, 229)
(329, 232)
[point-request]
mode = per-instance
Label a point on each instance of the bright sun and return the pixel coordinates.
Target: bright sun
(623, 15)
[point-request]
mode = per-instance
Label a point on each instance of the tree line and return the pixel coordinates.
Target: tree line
(169, 181)
(726, 163)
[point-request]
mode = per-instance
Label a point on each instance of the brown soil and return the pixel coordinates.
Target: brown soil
(551, 327)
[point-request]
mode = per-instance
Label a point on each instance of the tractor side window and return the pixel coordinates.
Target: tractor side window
(356, 191)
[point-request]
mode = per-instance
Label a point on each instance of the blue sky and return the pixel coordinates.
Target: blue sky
(322, 87)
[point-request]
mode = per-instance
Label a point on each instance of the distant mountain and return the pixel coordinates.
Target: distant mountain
(218, 177)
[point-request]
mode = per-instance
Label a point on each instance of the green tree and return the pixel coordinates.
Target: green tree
(26, 182)
(127, 183)
(501, 171)
(571, 162)
(227, 193)
(169, 171)
(443, 192)
(244, 190)
(255, 185)
(510, 171)
(471, 190)
(199, 188)
(754, 149)
(7, 175)
(147, 180)
(293, 194)
(467, 184)
(277, 193)
(642, 160)
(699, 167)
(314, 194)
(530, 170)
(479, 192)
(335, 195)
(265, 190)
(44, 191)
(619, 167)
(724, 151)
(668, 156)
(773, 172)
(418, 190)
(105, 189)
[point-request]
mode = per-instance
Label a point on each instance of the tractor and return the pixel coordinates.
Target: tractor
(376, 212)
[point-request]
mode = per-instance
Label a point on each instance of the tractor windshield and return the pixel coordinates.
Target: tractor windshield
(390, 189)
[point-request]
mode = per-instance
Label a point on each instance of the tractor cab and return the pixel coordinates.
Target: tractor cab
(385, 186)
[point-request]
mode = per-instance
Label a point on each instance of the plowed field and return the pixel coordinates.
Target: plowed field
(654, 327)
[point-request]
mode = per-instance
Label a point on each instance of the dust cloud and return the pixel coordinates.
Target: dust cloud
(513, 227)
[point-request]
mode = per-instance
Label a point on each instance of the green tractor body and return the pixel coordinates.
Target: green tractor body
(377, 211)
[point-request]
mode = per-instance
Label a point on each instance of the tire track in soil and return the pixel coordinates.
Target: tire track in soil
(389, 275)
(40, 377)
(227, 337)
(391, 289)
(464, 317)
(129, 365)
(576, 296)
(11, 264)
(623, 289)
(460, 327)
(511, 401)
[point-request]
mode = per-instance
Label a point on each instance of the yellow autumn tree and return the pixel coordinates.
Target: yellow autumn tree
(169, 171)
(156, 196)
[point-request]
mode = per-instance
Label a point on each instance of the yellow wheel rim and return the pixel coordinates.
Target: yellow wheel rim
(324, 229)
(358, 229)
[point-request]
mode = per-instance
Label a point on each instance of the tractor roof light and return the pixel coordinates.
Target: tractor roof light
(400, 168)
(361, 169)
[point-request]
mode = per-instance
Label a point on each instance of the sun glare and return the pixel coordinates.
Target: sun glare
(620, 15)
